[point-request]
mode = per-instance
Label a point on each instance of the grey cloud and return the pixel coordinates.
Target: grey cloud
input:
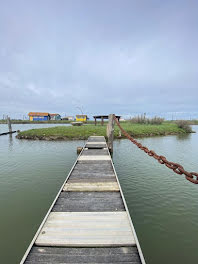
(106, 56)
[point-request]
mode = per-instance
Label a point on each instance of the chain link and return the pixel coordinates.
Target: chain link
(177, 168)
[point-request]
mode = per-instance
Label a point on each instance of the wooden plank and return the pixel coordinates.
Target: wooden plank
(89, 202)
(94, 152)
(95, 162)
(96, 143)
(91, 173)
(85, 251)
(91, 158)
(86, 229)
(96, 146)
(94, 165)
(92, 179)
(83, 255)
(91, 187)
(100, 195)
(97, 139)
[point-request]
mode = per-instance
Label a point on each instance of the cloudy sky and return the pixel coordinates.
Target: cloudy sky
(104, 56)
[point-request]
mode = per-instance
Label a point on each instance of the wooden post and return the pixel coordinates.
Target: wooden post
(95, 120)
(110, 132)
(9, 124)
(102, 120)
(79, 149)
(120, 132)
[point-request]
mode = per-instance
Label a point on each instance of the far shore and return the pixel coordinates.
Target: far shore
(83, 132)
(16, 121)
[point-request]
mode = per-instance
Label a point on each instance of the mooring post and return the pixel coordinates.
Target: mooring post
(9, 124)
(110, 132)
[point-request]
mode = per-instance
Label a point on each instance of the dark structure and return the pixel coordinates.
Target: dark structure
(102, 117)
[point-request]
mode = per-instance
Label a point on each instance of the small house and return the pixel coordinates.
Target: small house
(38, 116)
(55, 117)
(81, 118)
(69, 118)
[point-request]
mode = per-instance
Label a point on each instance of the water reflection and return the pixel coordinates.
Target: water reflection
(184, 136)
(10, 139)
(163, 205)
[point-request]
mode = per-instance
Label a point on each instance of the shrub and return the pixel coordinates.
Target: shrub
(143, 120)
(183, 124)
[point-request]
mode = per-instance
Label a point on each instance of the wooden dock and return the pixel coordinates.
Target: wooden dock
(88, 222)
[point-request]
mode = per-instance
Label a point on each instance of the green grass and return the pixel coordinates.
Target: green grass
(83, 132)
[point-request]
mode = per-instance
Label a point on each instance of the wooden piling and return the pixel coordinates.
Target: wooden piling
(9, 124)
(110, 132)
(102, 121)
(9, 127)
(79, 149)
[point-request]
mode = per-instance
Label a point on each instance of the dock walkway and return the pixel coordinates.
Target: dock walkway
(88, 222)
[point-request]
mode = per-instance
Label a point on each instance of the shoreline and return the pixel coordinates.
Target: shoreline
(61, 133)
(21, 122)
(62, 138)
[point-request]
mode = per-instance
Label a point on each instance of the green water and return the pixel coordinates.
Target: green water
(163, 205)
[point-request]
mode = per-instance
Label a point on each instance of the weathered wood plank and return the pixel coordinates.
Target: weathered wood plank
(89, 202)
(94, 178)
(96, 146)
(83, 255)
(33, 262)
(91, 187)
(86, 229)
(95, 152)
(39, 258)
(90, 158)
(96, 143)
(85, 251)
(94, 162)
(90, 195)
(84, 166)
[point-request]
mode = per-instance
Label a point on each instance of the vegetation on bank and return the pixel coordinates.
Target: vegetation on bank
(142, 119)
(184, 125)
(83, 132)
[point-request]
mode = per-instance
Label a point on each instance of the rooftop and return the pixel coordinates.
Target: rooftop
(54, 114)
(38, 114)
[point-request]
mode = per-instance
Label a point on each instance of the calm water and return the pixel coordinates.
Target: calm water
(163, 205)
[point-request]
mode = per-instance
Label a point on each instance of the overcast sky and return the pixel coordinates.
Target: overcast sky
(104, 56)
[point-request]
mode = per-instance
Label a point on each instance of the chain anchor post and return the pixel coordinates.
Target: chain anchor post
(110, 133)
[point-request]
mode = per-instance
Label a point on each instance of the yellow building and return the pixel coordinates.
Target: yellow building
(81, 118)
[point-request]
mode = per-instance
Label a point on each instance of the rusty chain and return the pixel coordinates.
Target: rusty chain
(177, 168)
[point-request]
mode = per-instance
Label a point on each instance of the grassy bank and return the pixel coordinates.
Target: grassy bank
(83, 132)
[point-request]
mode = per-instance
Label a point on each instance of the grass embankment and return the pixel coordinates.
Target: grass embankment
(83, 132)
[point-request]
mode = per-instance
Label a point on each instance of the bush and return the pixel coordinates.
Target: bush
(143, 120)
(183, 124)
